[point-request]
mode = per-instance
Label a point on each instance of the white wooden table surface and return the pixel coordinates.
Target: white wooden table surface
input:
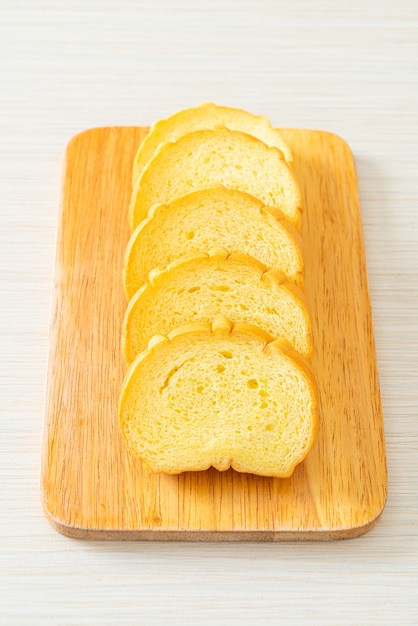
(350, 67)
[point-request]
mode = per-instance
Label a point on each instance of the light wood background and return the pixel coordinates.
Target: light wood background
(347, 67)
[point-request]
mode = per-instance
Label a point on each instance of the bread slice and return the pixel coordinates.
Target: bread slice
(207, 116)
(220, 395)
(194, 223)
(201, 286)
(206, 157)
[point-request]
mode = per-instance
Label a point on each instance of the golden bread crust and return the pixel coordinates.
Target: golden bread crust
(200, 286)
(207, 115)
(240, 222)
(205, 157)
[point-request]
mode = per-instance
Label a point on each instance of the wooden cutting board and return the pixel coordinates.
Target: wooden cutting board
(92, 487)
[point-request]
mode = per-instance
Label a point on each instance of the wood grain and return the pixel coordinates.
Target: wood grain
(92, 487)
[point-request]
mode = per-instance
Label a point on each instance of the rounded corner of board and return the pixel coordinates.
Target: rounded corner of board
(362, 529)
(80, 136)
(337, 139)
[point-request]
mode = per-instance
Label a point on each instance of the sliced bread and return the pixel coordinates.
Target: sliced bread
(215, 216)
(199, 287)
(206, 116)
(219, 395)
(203, 158)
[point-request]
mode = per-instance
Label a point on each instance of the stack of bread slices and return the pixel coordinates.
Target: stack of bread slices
(217, 332)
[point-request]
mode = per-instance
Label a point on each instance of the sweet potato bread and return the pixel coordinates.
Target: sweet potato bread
(206, 157)
(217, 333)
(199, 287)
(219, 395)
(193, 223)
(206, 116)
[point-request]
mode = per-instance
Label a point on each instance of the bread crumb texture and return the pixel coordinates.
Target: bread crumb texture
(200, 287)
(206, 157)
(224, 398)
(233, 219)
(207, 116)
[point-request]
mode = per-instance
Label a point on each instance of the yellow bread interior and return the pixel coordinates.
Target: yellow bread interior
(199, 287)
(206, 116)
(206, 157)
(195, 222)
(219, 394)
